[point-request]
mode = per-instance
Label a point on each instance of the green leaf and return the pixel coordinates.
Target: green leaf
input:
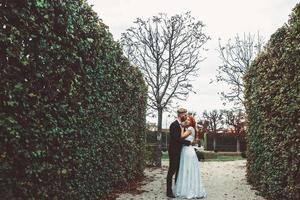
(39, 75)
(19, 86)
(40, 3)
(90, 40)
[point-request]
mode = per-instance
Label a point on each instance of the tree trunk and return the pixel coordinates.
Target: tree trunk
(159, 122)
(159, 127)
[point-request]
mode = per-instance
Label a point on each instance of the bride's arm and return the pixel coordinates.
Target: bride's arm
(196, 139)
(185, 134)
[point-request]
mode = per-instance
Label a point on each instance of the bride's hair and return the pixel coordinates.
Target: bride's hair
(192, 120)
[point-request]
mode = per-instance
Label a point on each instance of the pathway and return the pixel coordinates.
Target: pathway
(222, 180)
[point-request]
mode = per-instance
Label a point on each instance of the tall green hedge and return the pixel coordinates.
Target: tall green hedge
(273, 109)
(72, 113)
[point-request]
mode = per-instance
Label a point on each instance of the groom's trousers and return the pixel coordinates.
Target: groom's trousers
(173, 169)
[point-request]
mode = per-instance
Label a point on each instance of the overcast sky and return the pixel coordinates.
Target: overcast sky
(223, 19)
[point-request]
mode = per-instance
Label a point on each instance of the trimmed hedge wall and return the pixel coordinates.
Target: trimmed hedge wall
(72, 114)
(273, 105)
(152, 149)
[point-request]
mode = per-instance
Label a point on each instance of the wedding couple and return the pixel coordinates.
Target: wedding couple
(183, 161)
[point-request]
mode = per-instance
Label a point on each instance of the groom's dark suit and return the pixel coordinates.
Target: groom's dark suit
(175, 145)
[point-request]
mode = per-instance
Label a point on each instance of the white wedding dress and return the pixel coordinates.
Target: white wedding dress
(189, 183)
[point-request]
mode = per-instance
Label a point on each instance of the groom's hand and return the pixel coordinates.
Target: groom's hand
(194, 142)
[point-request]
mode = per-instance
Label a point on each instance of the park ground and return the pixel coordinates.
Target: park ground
(223, 180)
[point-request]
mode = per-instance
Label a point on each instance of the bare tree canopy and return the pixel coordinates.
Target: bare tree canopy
(237, 55)
(168, 51)
(235, 119)
(215, 120)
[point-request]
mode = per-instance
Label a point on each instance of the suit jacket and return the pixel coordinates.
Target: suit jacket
(175, 142)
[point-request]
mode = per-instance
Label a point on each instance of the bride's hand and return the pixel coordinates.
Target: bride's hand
(189, 131)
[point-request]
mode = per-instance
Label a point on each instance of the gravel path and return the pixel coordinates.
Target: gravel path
(222, 181)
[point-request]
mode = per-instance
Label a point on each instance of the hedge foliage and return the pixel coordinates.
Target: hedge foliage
(273, 103)
(72, 108)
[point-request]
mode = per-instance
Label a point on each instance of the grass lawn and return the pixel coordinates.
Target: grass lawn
(164, 155)
(216, 157)
(225, 158)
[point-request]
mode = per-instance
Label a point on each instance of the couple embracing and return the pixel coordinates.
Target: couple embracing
(183, 161)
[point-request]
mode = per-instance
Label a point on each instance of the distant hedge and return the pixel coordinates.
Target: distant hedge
(273, 110)
(72, 113)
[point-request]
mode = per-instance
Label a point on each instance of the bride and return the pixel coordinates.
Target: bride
(189, 183)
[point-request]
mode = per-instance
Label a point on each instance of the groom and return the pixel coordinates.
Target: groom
(174, 150)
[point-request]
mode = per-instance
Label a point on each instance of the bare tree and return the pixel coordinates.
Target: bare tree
(215, 123)
(215, 120)
(168, 51)
(235, 119)
(237, 55)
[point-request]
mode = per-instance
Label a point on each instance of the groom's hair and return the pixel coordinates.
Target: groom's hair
(181, 110)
